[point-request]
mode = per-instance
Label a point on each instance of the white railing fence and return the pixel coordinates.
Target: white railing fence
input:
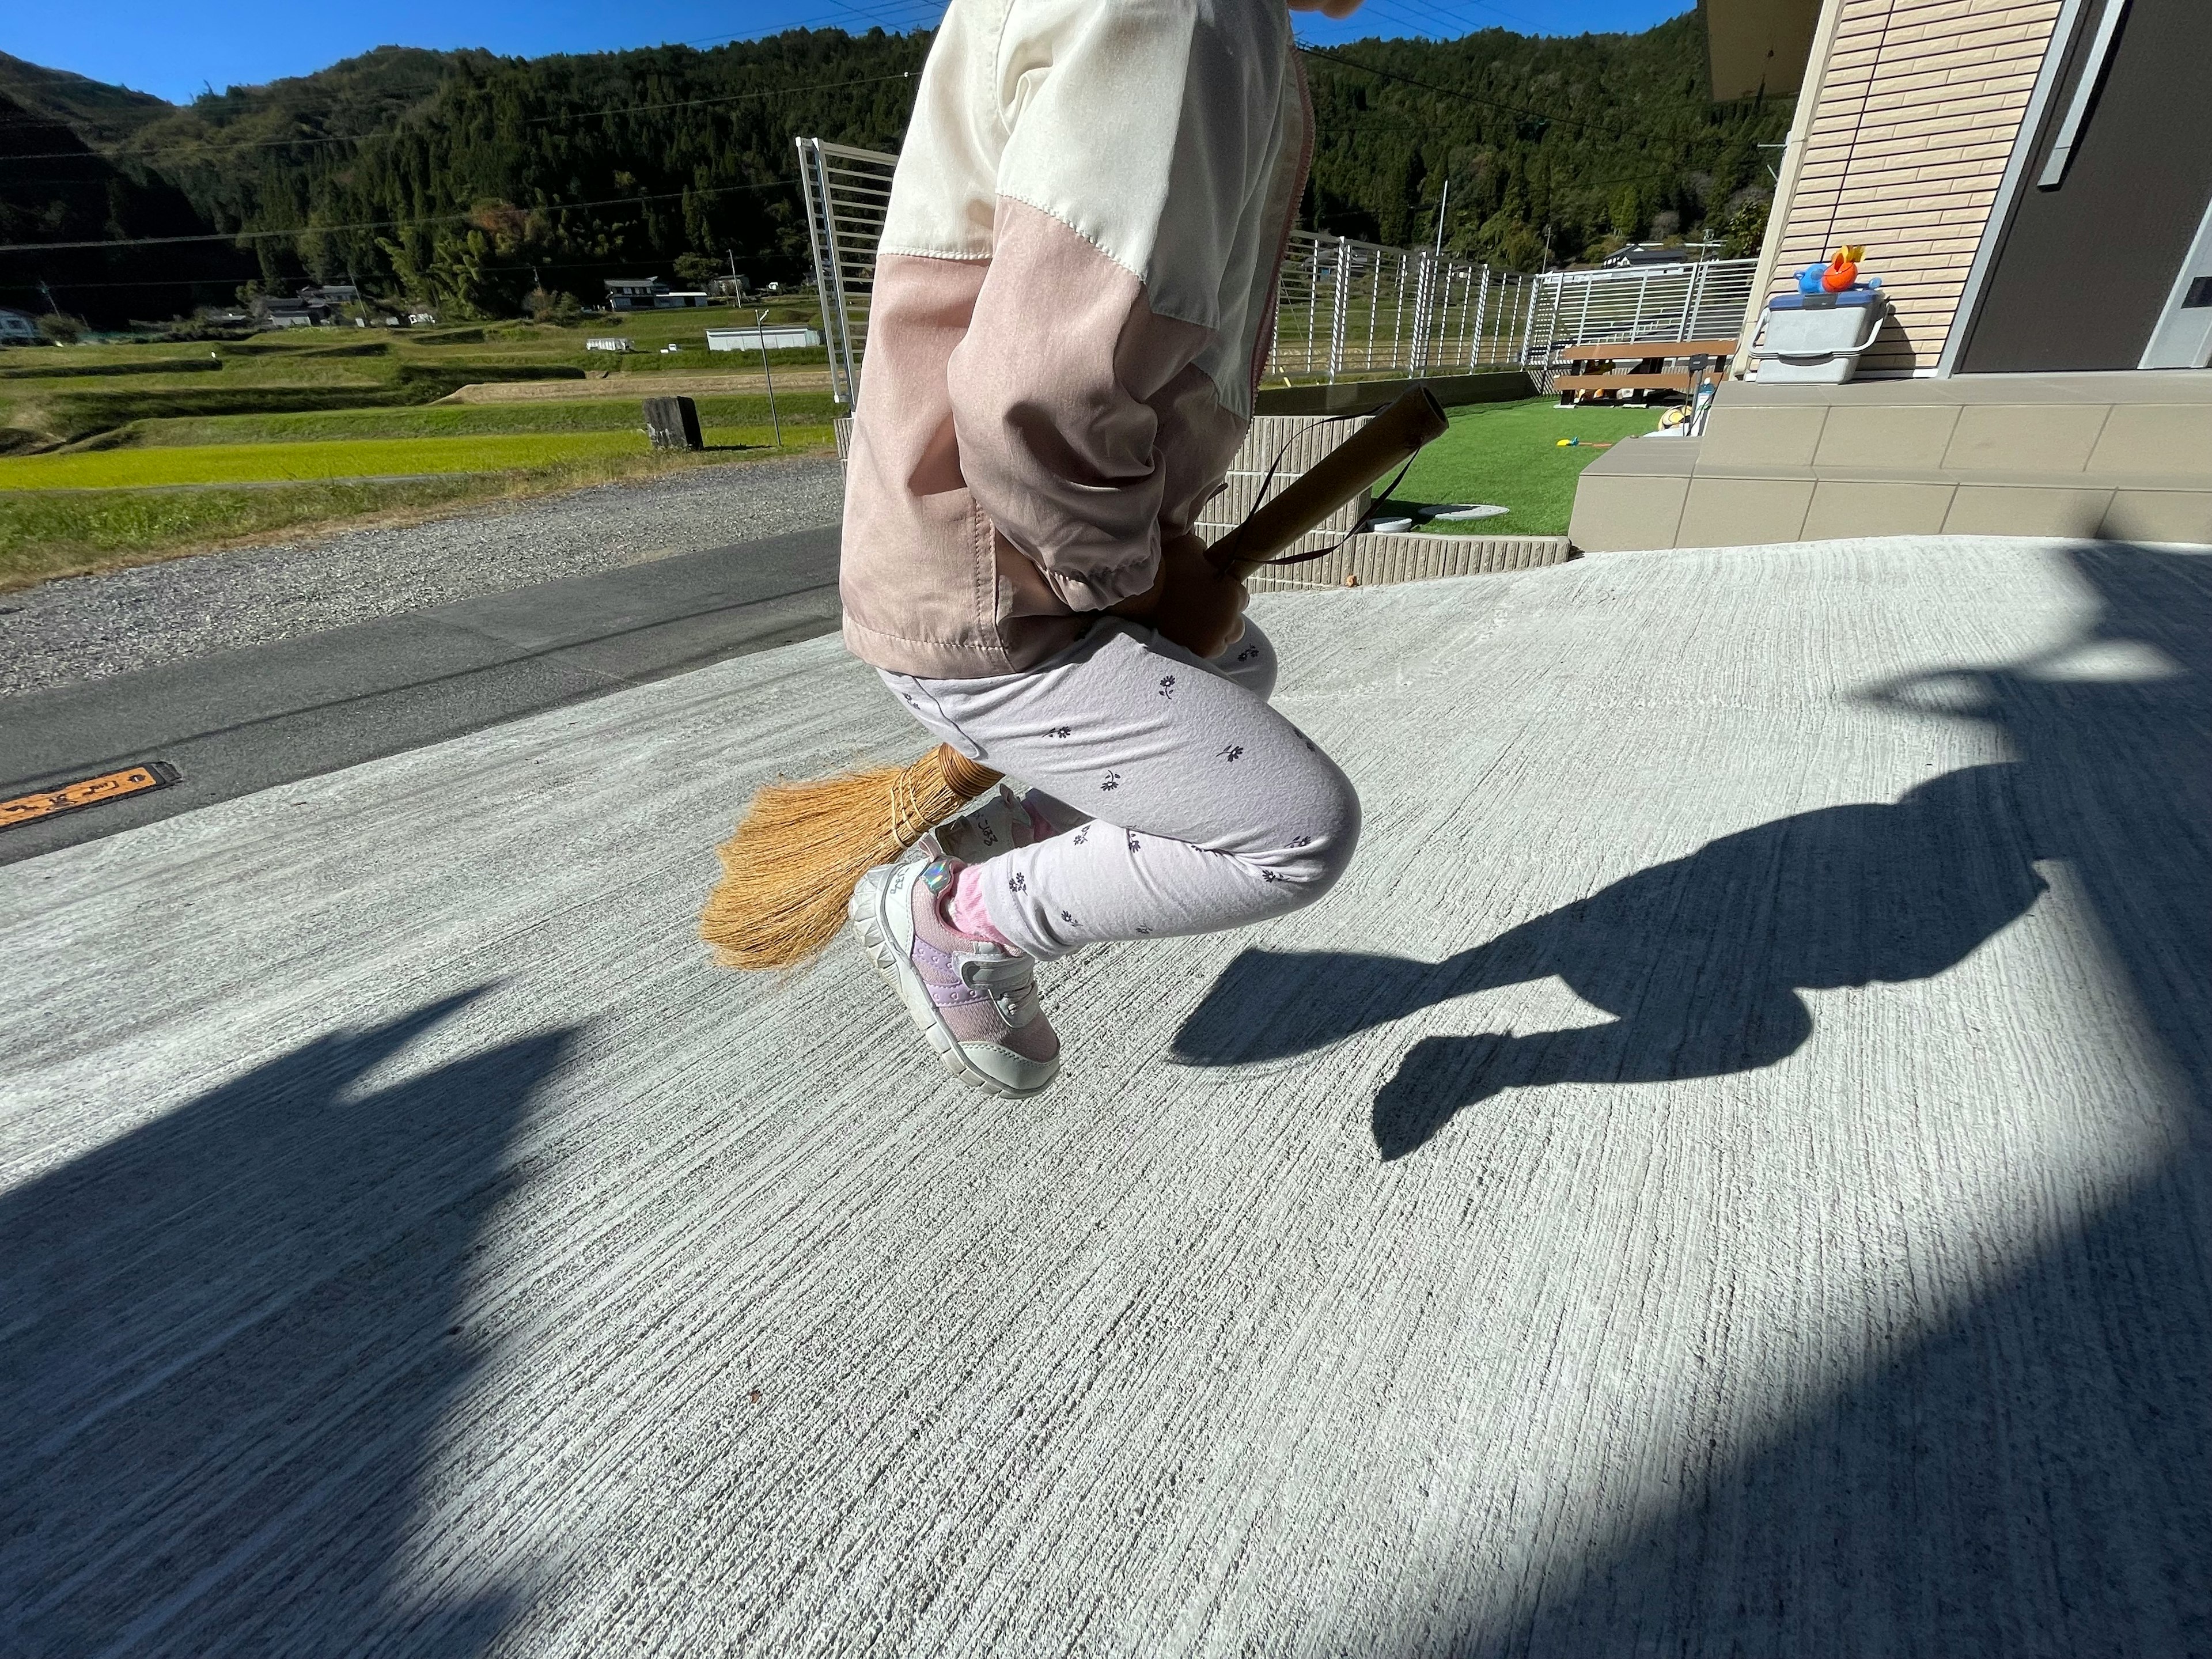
(846, 191)
(1345, 308)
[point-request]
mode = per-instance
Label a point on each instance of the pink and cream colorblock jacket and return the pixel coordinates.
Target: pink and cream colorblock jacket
(1074, 300)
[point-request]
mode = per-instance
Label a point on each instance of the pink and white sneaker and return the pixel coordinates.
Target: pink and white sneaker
(976, 1002)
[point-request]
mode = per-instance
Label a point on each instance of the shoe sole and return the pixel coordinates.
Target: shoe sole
(873, 928)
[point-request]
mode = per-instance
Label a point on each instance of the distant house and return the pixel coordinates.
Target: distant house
(775, 337)
(292, 313)
(635, 293)
(1648, 253)
(17, 329)
(311, 307)
(680, 299)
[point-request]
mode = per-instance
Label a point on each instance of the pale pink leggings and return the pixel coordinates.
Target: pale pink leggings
(1189, 805)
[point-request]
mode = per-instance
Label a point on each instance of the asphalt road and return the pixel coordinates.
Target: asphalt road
(1726, 1173)
(236, 721)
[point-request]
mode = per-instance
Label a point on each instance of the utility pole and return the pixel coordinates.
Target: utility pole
(760, 334)
(1442, 208)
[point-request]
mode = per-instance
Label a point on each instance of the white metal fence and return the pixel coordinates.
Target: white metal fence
(1345, 308)
(846, 191)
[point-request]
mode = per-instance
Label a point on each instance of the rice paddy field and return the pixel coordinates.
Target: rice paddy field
(117, 453)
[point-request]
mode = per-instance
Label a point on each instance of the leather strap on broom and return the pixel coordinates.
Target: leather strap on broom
(802, 848)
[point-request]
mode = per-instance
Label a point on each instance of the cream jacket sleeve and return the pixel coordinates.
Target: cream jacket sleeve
(1135, 133)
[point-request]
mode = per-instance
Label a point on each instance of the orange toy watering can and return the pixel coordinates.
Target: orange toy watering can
(1842, 270)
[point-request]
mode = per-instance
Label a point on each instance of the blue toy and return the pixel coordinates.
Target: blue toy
(1838, 275)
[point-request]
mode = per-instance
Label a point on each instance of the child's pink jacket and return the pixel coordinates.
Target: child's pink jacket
(1074, 297)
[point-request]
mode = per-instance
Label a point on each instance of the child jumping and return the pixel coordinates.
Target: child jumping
(1073, 298)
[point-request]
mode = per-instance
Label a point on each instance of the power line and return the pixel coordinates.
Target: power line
(124, 154)
(1575, 183)
(236, 236)
(1406, 10)
(1454, 92)
(933, 8)
(635, 262)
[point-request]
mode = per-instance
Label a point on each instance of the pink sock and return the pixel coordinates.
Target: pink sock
(966, 912)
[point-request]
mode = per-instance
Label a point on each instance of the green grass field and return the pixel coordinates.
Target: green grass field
(804, 411)
(356, 458)
(1508, 455)
(214, 464)
(44, 534)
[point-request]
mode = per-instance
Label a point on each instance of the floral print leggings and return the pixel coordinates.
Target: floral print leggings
(1186, 803)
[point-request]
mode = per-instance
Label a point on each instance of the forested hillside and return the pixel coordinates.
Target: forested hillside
(479, 182)
(1570, 144)
(57, 189)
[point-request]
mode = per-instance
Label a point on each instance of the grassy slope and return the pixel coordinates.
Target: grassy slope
(356, 457)
(459, 420)
(1508, 454)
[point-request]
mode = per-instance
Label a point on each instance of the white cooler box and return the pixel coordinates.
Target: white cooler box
(1805, 340)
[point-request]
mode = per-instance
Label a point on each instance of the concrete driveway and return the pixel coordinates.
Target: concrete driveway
(1727, 1173)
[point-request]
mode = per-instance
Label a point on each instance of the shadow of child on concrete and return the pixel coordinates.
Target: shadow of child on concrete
(1699, 960)
(234, 1333)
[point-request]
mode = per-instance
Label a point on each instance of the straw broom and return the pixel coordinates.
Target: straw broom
(802, 848)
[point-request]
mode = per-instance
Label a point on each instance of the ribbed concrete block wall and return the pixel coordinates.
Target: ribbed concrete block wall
(1286, 445)
(1919, 109)
(1383, 560)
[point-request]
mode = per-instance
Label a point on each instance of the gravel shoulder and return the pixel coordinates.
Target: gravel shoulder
(85, 628)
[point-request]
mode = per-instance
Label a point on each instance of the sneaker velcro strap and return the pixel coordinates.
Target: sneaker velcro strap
(995, 973)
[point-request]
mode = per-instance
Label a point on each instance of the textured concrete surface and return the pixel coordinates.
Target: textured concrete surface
(252, 719)
(1726, 1174)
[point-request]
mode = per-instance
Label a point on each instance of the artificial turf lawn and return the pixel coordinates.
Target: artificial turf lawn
(359, 457)
(1508, 455)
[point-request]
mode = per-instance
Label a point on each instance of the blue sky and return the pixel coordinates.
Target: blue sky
(172, 50)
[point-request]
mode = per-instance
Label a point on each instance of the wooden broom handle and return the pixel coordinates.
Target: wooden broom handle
(964, 777)
(1391, 439)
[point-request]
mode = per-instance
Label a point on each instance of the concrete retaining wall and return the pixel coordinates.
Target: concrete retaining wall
(1381, 560)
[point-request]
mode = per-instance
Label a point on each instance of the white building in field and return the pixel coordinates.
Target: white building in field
(774, 336)
(17, 328)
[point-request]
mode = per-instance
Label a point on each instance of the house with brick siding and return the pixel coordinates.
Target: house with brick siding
(2031, 181)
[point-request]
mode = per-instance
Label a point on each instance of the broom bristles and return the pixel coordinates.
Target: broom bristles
(789, 870)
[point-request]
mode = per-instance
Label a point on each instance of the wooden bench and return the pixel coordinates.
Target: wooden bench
(1608, 381)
